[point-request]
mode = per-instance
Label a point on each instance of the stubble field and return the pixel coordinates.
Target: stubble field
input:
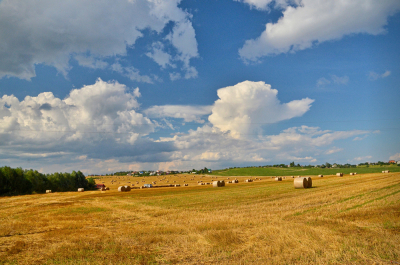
(341, 220)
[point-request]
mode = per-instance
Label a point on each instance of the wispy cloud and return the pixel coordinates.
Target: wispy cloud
(375, 76)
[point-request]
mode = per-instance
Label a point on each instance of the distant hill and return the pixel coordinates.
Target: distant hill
(299, 171)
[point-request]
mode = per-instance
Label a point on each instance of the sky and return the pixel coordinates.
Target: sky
(106, 86)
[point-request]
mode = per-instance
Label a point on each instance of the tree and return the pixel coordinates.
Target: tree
(292, 164)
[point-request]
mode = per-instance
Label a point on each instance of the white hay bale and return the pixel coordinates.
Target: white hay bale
(48, 191)
(127, 188)
(320, 176)
(292, 177)
(222, 183)
(81, 189)
(383, 172)
(235, 181)
(300, 183)
(339, 174)
(351, 174)
(186, 184)
(278, 179)
(103, 189)
(177, 185)
(248, 180)
(121, 188)
(216, 184)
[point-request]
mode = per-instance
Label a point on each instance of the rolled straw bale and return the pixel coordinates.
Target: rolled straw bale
(81, 189)
(320, 176)
(121, 188)
(107, 188)
(278, 179)
(383, 172)
(235, 181)
(216, 184)
(351, 174)
(48, 191)
(339, 174)
(103, 189)
(309, 182)
(177, 185)
(230, 181)
(186, 184)
(292, 177)
(222, 183)
(127, 188)
(300, 183)
(387, 171)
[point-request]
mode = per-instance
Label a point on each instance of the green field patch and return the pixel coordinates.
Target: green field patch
(370, 201)
(273, 171)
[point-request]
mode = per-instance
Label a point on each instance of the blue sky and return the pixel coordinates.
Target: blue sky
(121, 85)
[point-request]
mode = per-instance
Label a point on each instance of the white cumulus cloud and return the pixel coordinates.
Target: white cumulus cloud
(308, 22)
(187, 113)
(245, 107)
(51, 33)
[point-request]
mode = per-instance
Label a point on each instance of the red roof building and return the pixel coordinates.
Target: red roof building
(99, 186)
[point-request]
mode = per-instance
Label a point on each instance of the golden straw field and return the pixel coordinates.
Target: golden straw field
(341, 220)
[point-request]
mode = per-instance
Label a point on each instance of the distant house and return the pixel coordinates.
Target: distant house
(392, 162)
(99, 186)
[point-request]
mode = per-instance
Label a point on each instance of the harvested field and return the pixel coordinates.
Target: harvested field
(348, 220)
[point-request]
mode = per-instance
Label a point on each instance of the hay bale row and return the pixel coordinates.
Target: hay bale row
(235, 181)
(354, 173)
(81, 189)
(219, 183)
(386, 171)
(186, 184)
(201, 183)
(124, 188)
(302, 183)
(177, 185)
(248, 180)
(339, 174)
(48, 191)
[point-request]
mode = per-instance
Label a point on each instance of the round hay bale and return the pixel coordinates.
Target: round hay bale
(320, 176)
(216, 184)
(309, 182)
(339, 174)
(177, 185)
(121, 188)
(292, 177)
(300, 183)
(81, 189)
(235, 181)
(186, 184)
(222, 183)
(48, 191)
(278, 179)
(127, 188)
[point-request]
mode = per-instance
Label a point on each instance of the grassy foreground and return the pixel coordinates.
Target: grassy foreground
(341, 220)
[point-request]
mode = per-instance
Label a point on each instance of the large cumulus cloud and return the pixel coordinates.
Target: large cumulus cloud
(52, 32)
(245, 107)
(308, 22)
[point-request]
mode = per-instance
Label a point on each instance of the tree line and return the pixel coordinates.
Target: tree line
(17, 181)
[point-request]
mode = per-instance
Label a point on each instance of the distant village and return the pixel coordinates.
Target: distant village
(209, 171)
